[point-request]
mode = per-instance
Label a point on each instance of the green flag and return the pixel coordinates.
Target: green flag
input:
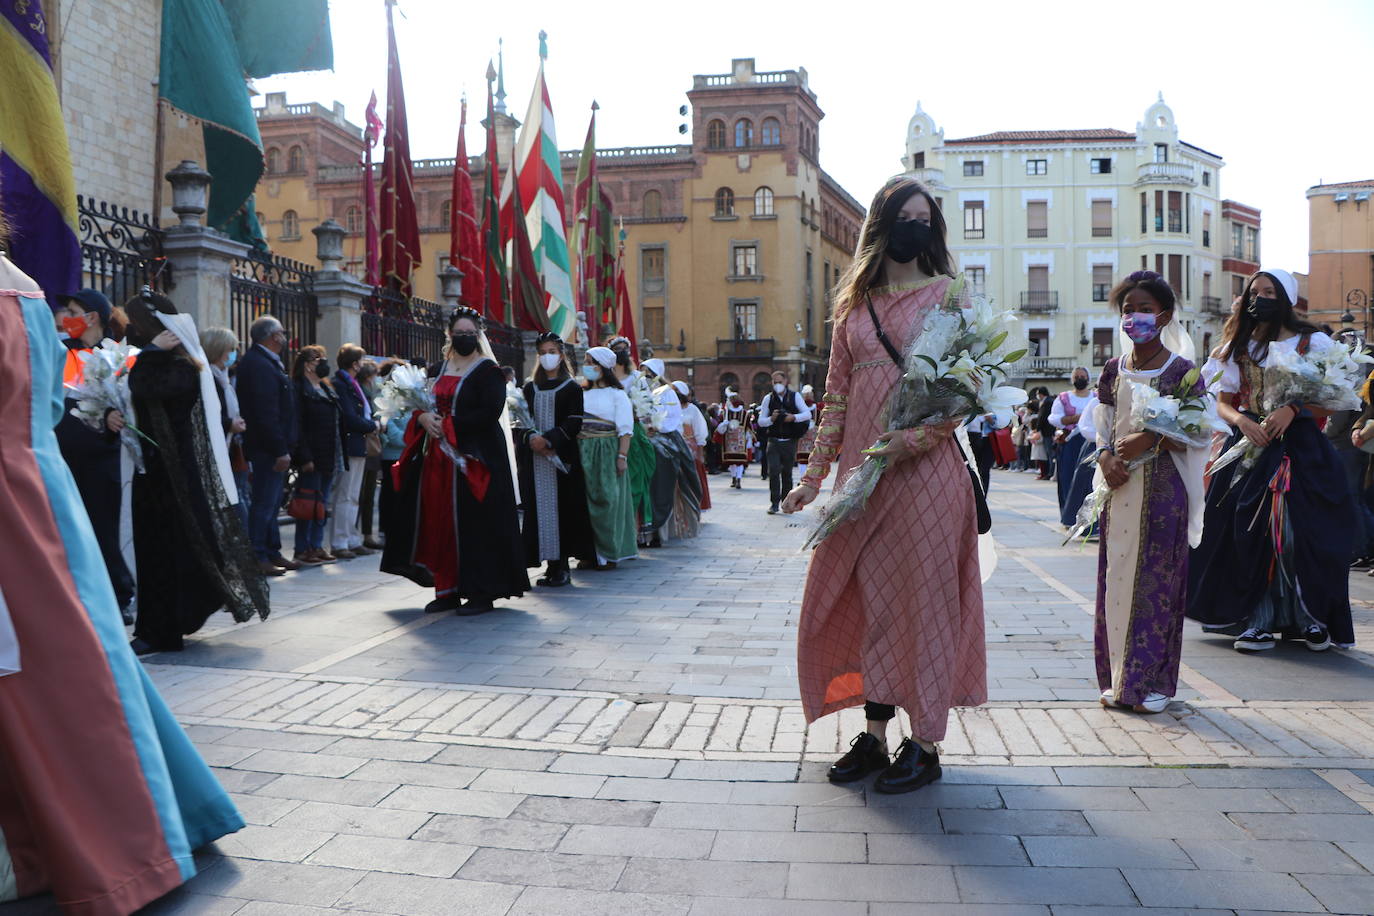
(281, 36)
(201, 77)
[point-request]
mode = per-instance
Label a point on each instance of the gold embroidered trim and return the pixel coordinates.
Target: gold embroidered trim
(835, 399)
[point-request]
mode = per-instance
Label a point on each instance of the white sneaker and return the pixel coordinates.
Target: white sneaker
(1154, 702)
(1108, 698)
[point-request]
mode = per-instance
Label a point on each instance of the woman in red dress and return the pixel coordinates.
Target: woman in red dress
(457, 528)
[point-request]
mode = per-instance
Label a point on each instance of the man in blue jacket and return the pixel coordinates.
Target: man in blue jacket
(268, 409)
(344, 535)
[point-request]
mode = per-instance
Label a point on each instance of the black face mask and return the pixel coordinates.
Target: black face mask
(1080, 383)
(464, 344)
(322, 369)
(1263, 309)
(908, 240)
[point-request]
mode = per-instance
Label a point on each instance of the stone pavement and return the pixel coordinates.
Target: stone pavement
(634, 745)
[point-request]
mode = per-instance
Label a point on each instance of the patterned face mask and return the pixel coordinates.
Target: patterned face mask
(1140, 327)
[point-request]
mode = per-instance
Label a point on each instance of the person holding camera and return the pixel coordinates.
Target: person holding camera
(784, 418)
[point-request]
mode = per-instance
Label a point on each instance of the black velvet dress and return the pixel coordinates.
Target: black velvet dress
(556, 522)
(191, 552)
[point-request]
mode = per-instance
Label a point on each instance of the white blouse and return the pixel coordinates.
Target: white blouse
(1229, 382)
(611, 405)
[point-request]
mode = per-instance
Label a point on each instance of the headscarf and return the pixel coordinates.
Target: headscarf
(654, 365)
(184, 327)
(603, 356)
(682, 388)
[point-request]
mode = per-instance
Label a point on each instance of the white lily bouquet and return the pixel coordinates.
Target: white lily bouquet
(521, 417)
(648, 411)
(952, 371)
(1329, 379)
(1187, 414)
(405, 390)
(104, 387)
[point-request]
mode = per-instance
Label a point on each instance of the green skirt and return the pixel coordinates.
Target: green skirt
(642, 461)
(608, 500)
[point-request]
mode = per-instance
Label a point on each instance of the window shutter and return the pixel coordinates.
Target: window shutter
(1037, 218)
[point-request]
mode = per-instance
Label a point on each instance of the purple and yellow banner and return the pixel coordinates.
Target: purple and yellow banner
(37, 190)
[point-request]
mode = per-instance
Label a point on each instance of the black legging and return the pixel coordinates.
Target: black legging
(879, 712)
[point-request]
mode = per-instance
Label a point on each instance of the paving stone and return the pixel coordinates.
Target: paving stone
(259, 908)
(319, 788)
(263, 810)
(279, 844)
(909, 849)
(242, 780)
(590, 811)
(413, 895)
(656, 842)
(452, 801)
(299, 764)
(725, 817)
(940, 795)
(794, 794)
(277, 740)
(1166, 824)
(902, 883)
(1166, 887)
(777, 846)
(1072, 798)
(417, 774)
(178, 900)
(1225, 800)
(562, 785)
(503, 833)
(980, 884)
(1306, 856)
(683, 790)
(613, 765)
(1360, 852)
(1001, 775)
(1341, 894)
(354, 819)
(734, 906)
(549, 869)
(405, 857)
(1254, 778)
(1318, 801)
(544, 901)
(957, 909)
(849, 819)
(1122, 776)
(276, 882)
(1335, 827)
(704, 879)
(503, 758)
(375, 749)
(1014, 823)
(1105, 852)
(735, 770)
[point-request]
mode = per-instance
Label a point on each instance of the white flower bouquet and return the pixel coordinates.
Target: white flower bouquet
(648, 411)
(104, 387)
(405, 390)
(952, 371)
(522, 418)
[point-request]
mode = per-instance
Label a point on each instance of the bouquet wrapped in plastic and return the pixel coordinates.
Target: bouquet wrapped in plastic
(952, 371)
(104, 387)
(521, 418)
(405, 390)
(1329, 379)
(648, 411)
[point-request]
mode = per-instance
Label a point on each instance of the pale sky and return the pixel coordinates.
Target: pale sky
(1280, 90)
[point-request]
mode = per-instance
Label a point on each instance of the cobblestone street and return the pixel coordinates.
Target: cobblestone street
(634, 744)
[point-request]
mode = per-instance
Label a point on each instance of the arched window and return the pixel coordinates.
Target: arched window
(273, 161)
(446, 214)
(653, 204)
(772, 132)
(728, 380)
(763, 202)
(744, 133)
(296, 160)
(715, 134)
(725, 202)
(290, 225)
(763, 384)
(353, 220)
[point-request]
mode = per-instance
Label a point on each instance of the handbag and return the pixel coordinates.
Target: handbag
(980, 499)
(373, 441)
(306, 505)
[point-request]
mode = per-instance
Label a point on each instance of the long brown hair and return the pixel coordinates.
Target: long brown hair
(1240, 328)
(867, 267)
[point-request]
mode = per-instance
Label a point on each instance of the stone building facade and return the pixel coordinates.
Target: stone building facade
(1341, 254)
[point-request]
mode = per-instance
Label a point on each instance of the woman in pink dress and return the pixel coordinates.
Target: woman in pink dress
(893, 609)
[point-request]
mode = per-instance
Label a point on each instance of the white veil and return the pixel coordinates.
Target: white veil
(484, 347)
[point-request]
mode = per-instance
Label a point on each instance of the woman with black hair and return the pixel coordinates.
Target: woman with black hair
(456, 525)
(556, 524)
(190, 548)
(892, 614)
(317, 451)
(1263, 572)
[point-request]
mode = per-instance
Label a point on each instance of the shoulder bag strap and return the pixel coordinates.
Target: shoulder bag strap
(882, 335)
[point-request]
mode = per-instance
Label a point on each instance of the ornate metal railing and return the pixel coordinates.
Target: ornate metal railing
(121, 250)
(263, 284)
(758, 348)
(406, 328)
(507, 347)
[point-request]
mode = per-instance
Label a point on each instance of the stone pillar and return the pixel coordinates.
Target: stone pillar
(202, 261)
(340, 298)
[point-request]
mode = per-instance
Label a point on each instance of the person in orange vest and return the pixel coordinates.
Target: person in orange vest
(93, 456)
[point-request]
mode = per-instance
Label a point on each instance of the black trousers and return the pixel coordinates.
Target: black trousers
(982, 457)
(879, 712)
(780, 461)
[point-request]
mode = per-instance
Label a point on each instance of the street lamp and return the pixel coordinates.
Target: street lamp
(681, 340)
(190, 191)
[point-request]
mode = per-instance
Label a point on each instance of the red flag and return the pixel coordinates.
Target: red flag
(622, 297)
(464, 244)
(526, 292)
(400, 224)
(496, 301)
(372, 271)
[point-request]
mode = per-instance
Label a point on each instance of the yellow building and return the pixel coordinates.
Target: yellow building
(1341, 254)
(733, 241)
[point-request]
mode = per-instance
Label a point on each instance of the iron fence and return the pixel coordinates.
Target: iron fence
(121, 250)
(263, 284)
(395, 326)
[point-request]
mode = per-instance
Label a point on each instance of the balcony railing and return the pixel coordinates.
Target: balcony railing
(929, 177)
(1039, 300)
(1041, 367)
(1165, 173)
(1211, 305)
(762, 348)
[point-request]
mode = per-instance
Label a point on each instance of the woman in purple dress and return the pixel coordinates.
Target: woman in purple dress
(1154, 510)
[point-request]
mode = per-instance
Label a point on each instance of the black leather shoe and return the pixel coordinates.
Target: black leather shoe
(474, 606)
(866, 755)
(912, 767)
(439, 605)
(556, 580)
